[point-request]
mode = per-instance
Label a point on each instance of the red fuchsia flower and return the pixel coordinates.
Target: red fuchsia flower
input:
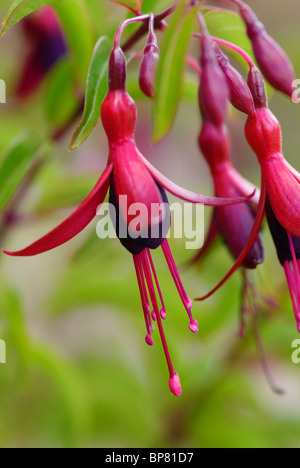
(280, 190)
(233, 223)
(45, 37)
(129, 174)
(271, 58)
(281, 181)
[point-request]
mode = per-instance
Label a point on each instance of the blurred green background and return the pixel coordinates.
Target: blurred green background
(78, 372)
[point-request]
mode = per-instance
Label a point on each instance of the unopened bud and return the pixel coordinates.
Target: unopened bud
(271, 58)
(257, 87)
(213, 90)
(239, 92)
(117, 70)
(148, 66)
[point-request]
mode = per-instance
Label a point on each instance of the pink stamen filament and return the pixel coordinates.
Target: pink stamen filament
(295, 262)
(294, 291)
(144, 297)
(250, 296)
(187, 302)
(149, 281)
(163, 309)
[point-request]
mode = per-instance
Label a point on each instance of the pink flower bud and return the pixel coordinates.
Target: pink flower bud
(213, 90)
(257, 87)
(148, 66)
(239, 93)
(271, 58)
(117, 70)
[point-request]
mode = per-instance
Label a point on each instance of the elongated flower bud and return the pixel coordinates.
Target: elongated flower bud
(257, 87)
(148, 66)
(213, 90)
(239, 92)
(271, 58)
(117, 70)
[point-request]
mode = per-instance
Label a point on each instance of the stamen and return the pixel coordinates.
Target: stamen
(174, 380)
(295, 262)
(253, 310)
(187, 302)
(163, 309)
(144, 297)
(293, 278)
(244, 309)
(294, 292)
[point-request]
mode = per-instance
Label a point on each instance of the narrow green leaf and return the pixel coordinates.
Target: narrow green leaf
(96, 88)
(15, 165)
(169, 79)
(21, 8)
(78, 28)
(61, 101)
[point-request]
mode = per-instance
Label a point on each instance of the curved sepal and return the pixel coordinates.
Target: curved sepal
(74, 224)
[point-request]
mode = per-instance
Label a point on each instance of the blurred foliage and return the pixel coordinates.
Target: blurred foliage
(78, 373)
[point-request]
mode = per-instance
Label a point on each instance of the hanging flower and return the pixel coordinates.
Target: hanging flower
(128, 174)
(233, 223)
(47, 45)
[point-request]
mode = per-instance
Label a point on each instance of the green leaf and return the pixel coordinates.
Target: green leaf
(21, 8)
(61, 102)
(133, 5)
(15, 165)
(169, 79)
(96, 88)
(78, 28)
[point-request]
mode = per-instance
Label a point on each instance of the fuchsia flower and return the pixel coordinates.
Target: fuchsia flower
(234, 223)
(280, 191)
(45, 37)
(281, 181)
(129, 174)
